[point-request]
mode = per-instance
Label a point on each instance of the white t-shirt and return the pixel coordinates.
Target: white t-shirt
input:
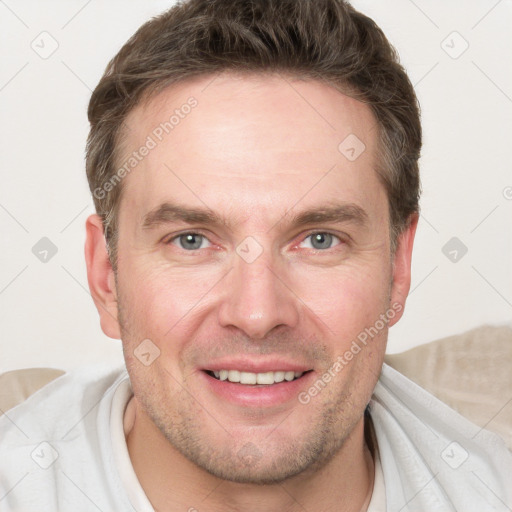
(64, 449)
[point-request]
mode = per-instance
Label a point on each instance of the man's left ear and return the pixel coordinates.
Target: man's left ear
(402, 267)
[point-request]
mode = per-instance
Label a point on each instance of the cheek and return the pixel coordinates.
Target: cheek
(347, 299)
(159, 303)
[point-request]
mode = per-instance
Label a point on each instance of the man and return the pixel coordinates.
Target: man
(254, 166)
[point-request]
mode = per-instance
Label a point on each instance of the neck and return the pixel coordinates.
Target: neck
(172, 482)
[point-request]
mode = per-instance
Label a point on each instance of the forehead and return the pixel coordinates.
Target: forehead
(247, 143)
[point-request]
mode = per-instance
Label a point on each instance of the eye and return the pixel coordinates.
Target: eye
(320, 240)
(189, 241)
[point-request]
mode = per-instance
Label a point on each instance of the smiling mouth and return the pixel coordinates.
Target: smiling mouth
(253, 379)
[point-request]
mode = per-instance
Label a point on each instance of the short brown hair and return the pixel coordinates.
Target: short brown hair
(324, 40)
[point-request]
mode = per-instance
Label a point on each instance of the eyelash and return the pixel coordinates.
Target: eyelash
(312, 233)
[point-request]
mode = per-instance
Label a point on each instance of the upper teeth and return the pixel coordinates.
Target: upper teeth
(256, 378)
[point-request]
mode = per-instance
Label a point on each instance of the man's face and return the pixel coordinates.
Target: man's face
(255, 292)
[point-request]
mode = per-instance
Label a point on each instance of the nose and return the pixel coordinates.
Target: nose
(257, 298)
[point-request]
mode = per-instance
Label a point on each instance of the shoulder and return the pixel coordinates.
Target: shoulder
(49, 408)
(431, 452)
(57, 439)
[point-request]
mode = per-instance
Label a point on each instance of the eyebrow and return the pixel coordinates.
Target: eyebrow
(168, 213)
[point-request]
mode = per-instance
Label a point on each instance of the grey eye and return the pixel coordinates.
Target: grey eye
(321, 240)
(190, 241)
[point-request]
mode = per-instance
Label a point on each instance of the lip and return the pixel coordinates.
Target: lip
(256, 366)
(257, 395)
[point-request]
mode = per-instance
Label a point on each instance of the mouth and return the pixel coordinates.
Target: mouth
(256, 379)
(245, 382)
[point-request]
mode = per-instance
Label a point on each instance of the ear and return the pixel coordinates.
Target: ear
(402, 267)
(100, 277)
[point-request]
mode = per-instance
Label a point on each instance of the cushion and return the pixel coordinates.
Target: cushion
(471, 372)
(17, 385)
